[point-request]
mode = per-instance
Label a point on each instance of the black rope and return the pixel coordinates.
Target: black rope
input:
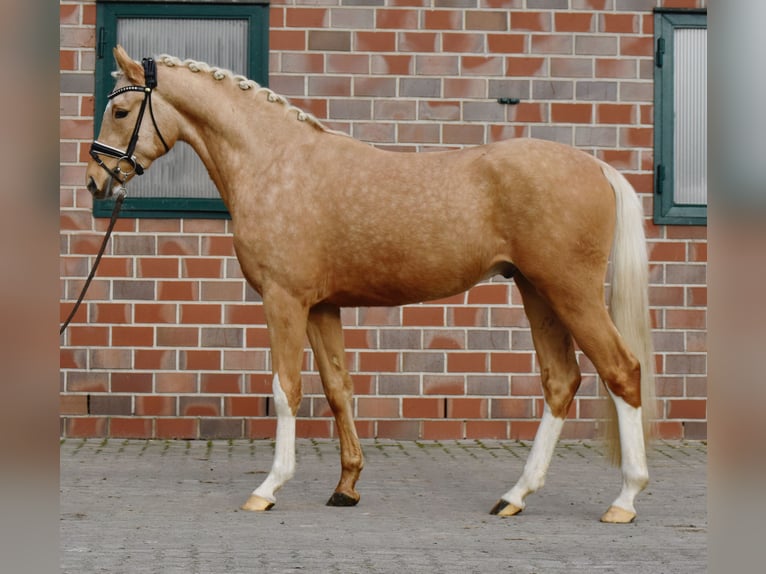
(115, 214)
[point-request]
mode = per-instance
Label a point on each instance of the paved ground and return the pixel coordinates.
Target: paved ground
(172, 507)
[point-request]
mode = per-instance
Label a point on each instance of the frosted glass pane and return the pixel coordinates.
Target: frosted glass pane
(690, 110)
(221, 43)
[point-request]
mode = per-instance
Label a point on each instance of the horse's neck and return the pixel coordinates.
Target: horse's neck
(235, 134)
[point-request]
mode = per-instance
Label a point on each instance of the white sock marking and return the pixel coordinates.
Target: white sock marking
(283, 467)
(539, 459)
(635, 474)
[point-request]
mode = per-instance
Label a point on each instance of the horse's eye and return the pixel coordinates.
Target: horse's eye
(119, 114)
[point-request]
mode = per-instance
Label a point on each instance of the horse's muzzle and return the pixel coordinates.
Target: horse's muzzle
(96, 191)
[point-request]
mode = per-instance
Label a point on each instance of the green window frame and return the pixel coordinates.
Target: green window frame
(108, 15)
(668, 208)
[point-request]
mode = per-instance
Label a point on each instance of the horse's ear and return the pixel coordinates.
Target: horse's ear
(132, 69)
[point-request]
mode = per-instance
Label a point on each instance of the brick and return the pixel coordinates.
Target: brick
(156, 406)
(444, 339)
(222, 290)
(110, 359)
(637, 46)
(531, 21)
(131, 427)
(497, 430)
(436, 65)
(444, 385)
(466, 362)
(525, 66)
(573, 22)
(488, 294)
(132, 289)
(467, 317)
(110, 404)
(523, 430)
(378, 361)
(551, 44)
(399, 64)
(463, 42)
(377, 407)
(486, 20)
(687, 409)
(177, 428)
(199, 406)
(615, 114)
(399, 430)
(90, 427)
(300, 17)
(194, 360)
(419, 133)
(213, 428)
(464, 134)
(294, 40)
(129, 336)
(443, 430)
(200, 313)
(619, 23)
(377, 41)
(571, 67)
(552, 90)
(596, 45)
(396, 19)
(420, 407)
(467, 408)
(88, 336)
(483, 112)
(347, 63)
(221, 383)
(443, 19)
(510, 362)
(356, 109)
(328, 41)
(73, 405)
(465, 88)
(250, 360)
(571, 113)
(417, 42)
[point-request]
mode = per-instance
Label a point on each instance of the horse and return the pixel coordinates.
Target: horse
(323, 221)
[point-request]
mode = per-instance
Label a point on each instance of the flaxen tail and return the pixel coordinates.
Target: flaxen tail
(629, 301)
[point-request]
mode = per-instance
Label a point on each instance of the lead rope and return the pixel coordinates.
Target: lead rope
(115, 215)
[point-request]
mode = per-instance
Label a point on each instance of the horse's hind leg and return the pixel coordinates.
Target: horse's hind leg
(286, 319)
(586, 317)
(326, 338)
(560, 376)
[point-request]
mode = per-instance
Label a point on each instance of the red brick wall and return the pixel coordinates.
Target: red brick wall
(171, 342)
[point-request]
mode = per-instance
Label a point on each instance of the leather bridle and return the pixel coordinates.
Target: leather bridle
(125, 159)
(127, 163)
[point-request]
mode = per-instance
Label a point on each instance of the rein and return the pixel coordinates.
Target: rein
(118, 173)
(115, 215)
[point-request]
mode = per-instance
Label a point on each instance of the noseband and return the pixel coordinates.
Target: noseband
(126, 160)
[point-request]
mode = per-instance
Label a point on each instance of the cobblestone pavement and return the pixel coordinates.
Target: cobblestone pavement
(130, 506)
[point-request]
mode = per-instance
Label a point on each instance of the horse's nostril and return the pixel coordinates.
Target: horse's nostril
(94, 189)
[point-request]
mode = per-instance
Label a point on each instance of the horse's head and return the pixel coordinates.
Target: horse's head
(128, 141)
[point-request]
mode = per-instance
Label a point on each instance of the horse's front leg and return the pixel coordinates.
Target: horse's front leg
(326, 337)
(286, 319)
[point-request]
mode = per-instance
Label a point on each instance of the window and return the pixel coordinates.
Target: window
(231, 35)
(680, 117)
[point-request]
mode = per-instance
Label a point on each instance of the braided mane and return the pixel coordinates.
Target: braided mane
(244, 84)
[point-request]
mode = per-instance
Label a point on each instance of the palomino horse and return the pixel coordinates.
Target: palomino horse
(323, 221)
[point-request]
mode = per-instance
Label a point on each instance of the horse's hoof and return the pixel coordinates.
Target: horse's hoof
(257, 504)
(341, 499)
(617, 515)
(505, 508)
